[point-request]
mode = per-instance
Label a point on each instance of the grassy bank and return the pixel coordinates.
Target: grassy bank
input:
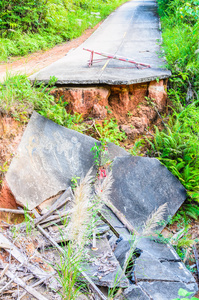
(28, 26)
(177, 146)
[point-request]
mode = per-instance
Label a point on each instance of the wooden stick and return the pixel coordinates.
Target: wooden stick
(56, 217)
(4, 270)
(33, 285)
(7, 284)
(109, 224)
(29, 289)
(15, 211)
(121, 217)
(63, 199)
(23, 259)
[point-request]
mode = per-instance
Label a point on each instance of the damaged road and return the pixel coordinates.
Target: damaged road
(119, 256)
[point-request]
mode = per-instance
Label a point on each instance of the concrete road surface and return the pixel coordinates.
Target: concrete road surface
(132, 31)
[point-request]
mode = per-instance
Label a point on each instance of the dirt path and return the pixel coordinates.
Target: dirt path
(39, 60)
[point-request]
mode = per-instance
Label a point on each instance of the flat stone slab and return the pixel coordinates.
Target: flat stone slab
(103, 267)
(165, 290)
(141, 185)
(134, 292)
(132, 31)
(48, 156)
(157, 266)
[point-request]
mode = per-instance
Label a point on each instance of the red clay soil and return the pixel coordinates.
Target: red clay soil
(10, 135)
(39, 60)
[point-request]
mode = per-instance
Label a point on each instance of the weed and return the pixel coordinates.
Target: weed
(3, 170)
(108, 110)
(136, 149)
(74, 182)
(29, 226)
(19, 98)
(110, 132)
(177, 148)
(69, 272)
(100, 154)
(185, 294)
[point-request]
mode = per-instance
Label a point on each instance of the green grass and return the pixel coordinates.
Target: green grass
(177, 145)
(180, 24)
(21, 34)
(19, 98)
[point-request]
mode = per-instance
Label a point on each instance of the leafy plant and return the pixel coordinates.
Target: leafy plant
(19, 98)
(69, 272)
(109, 132)
(185, 294)
(27, 26)
(28, 224)
(3, 170)
(100, 154)
(177, 148)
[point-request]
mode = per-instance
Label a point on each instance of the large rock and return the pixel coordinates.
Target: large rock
(141, 185)
(48, 157)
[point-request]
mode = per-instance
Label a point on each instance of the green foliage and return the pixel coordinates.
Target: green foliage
(68, 272)
(177, 148)
(180, 23)
(109, 132)
(74, 182)
(3, 170)
(100, 154)
(185, 294)
(24, 15)
(19, 98)
(135, 150)
(27, 26)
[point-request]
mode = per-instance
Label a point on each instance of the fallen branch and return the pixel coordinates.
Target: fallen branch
(121, 217)
(23, 259)
(63, 199)
(15, 211)
(29, 289)
(33, 285)
(4, 270)
(109, 224)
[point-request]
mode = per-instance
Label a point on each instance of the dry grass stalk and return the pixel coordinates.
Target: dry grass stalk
(153, 220)
(81, 206)
(103, 190)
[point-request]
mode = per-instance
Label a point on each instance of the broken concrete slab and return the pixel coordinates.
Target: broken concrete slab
(133, 292)
(103, 267)
(166, 290)
(141, 185)
(48, 156)
(159, 261)
(147, 267)
(156, 253)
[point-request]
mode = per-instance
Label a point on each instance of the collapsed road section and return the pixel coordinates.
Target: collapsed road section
(134, 93)
(118, 204)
